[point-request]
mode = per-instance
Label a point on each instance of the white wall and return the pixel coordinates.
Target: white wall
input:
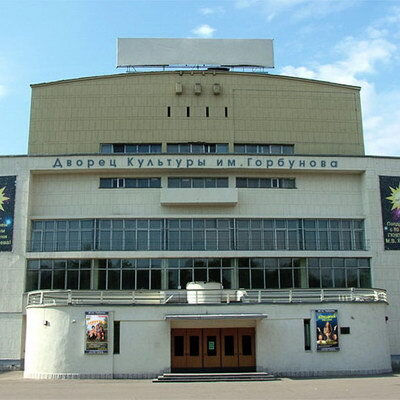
(57, 350)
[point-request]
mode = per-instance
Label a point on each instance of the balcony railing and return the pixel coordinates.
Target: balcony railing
(203, 296)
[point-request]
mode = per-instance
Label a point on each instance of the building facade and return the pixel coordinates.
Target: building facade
(198, 220)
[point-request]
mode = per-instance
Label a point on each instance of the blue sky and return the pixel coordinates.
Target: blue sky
(347, 41)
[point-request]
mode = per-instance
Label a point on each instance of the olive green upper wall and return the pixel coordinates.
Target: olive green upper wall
(77, 115)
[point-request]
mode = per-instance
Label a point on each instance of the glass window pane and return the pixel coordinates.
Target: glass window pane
(173, 279)
(32, 280)
(72, 279)
(143, 281)
(326, 277)
(244, 278)
(257, 279)
(227, 278)
(155, 279)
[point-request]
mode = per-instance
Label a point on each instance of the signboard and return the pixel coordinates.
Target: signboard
(390, 203)
(96, 332)
(7, 204)
(327, 330)
(149, 52)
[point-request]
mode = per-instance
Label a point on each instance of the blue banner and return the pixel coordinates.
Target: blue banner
(7, 205)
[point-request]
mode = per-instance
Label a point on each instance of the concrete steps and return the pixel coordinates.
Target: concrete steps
(215, 377)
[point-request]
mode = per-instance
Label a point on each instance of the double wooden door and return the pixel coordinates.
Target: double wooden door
(213, 348)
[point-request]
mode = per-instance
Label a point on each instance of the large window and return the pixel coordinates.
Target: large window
(197, 234)
(197, 148)
(58, 274)
(129, 234)
(129, 274)
(200, 234)
(175, 273)
(266, 183)
(130, 148)
(130, 183)
(184, 270)
(198, 182)
(264, 148)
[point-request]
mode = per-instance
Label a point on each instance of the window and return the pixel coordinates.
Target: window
(157, 274)
(197, 148)
(197, 182)
(264, 148)
(116, 336)
(108, 183)
(207, 112)
(226, 112)
(307, 334)
(203, 234)
(188, 111)
(266, 183)
(168, 111)
(58, 274)
(184, 270)
(141, 148)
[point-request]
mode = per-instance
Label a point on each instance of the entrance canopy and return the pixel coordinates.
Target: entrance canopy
(186, 317)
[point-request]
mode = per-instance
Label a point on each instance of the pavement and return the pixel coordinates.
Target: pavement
(14, 387)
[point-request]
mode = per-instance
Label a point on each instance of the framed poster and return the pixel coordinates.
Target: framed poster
(327, 330)
(390, 203)
(96, 332)
(7, 205)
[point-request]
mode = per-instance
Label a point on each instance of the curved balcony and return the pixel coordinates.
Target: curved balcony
(213, 296)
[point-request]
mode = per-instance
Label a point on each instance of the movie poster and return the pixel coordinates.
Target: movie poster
(96, 332)
(327, 330)
(390, 203)
(7, 203)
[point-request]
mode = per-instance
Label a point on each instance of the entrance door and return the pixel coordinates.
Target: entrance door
(246, 342)
(187, 348)
(211, 348)
(229, 350)
(194, 355)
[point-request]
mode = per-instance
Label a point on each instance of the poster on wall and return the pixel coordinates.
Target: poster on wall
(327, 330)
(390, 203)
(7, 204)
(96, 332)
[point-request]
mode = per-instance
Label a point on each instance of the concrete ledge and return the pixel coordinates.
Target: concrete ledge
(326, 374)
(33, 375)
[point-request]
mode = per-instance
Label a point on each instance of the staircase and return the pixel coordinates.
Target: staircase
(215, 377)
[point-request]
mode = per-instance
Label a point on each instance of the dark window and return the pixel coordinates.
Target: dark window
(211, 345)
(247, 345)
(226, 112)
(116, 336)
(188, 111)
(307, 334)
(229, 345)
(179, 350)
(194, 346)
(207, 112)
(168, 111)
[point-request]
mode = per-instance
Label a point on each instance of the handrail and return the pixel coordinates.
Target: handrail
(204, 296)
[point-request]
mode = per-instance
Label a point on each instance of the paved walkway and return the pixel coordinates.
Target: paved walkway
(13, 387)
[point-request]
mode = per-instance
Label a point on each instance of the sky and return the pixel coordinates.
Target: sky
(354, 42)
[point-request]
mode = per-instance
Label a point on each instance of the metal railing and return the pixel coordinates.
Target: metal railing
(204, 296)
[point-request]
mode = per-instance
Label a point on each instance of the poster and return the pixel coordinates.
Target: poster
(7, 203)
(390, 203)
(327, 330)
(96, 332)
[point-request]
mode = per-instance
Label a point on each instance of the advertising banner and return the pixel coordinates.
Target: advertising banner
(390, 203)
(327, 330)
(7, 204)
(96, 332)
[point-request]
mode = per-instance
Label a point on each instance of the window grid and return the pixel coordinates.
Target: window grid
(266, 183)
(157, 274)
(201, 182)
(129, 183)
(197, 148)
(197, 234)
(264, 149)
(130, 148)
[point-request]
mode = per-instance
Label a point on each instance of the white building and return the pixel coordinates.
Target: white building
(252, 189)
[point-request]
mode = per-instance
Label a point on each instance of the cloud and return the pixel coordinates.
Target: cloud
(356, 65)
(205, 31)
(299, 9)
(211, 10)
